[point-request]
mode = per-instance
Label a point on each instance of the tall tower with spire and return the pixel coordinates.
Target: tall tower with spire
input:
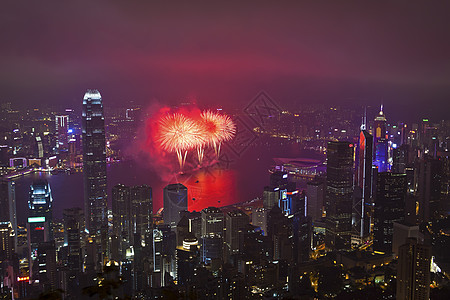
(94, 169)
(380, 142)
(362, 204)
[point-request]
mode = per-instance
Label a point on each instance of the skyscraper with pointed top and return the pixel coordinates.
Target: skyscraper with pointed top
(94, 162)
(363, 191)
(381, 142)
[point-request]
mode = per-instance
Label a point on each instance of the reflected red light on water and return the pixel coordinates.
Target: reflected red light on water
(210, 188)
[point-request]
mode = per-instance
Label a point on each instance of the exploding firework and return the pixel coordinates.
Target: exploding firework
(219, 128)
(179, 134)
(228, 130)
(211, 123)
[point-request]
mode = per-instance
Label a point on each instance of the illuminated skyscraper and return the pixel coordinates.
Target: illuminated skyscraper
(339, 196)
(62, 122)
(39, 226)
(132, 216)
(259, 218)
(39, 149)
(73, 226)
(413, 271)
(38, 232)
(363, 183)
(41, 201)
(175, 201)
(389, 208)
(400, 158)
(8, 206)
(7, 247)
(213, 221)
(381, 142)
(121, 219)
(47, 265)
(141, 210)
(94, 162)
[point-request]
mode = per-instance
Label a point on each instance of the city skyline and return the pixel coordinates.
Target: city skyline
(239, 150)
(171, 245)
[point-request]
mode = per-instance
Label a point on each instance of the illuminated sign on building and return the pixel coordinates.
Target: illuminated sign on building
(36, 219)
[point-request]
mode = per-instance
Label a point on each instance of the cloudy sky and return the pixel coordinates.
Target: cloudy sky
(224, 53)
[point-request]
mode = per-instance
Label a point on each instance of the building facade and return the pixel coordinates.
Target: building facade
(94, 162)
(389, 208)
(175, 198)
(339, 194)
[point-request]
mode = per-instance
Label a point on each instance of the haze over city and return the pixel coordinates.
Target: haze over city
(225, 53)
(224, 150)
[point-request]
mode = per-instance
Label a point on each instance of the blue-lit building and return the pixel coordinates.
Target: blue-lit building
(211, 248)
(381, 143)
(281, 192)
(41, 201)
(39, 225)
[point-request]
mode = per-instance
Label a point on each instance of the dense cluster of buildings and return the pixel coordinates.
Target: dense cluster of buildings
(367, 222)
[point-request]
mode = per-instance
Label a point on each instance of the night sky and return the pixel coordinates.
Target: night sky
(225, 53)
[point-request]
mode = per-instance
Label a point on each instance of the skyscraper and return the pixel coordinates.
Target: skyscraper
(47, 265)
(73, 226)
(279, 231)
(41, 201)
(7, 247)
(389, 208)
(315, 193)
(62, 138)
(413, 271)
(259, 218)
(400, 158)
(132, 210)
(141, 210)
(94, 162)
(429, 189)
(175, 201)
(363, 183)
(213, 221)
(8, 205)
(381, 142)
(339, 197)
(121, 219)
(235, 221)
(38, 231)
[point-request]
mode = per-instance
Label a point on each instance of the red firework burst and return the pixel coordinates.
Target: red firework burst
(177, 133)
(219, 128)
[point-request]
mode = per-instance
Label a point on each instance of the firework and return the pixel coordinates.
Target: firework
(219, 128)
(211, 123)
(228, 128)
(179, 134)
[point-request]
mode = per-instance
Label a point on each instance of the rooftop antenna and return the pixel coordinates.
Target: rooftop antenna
(364, 119)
